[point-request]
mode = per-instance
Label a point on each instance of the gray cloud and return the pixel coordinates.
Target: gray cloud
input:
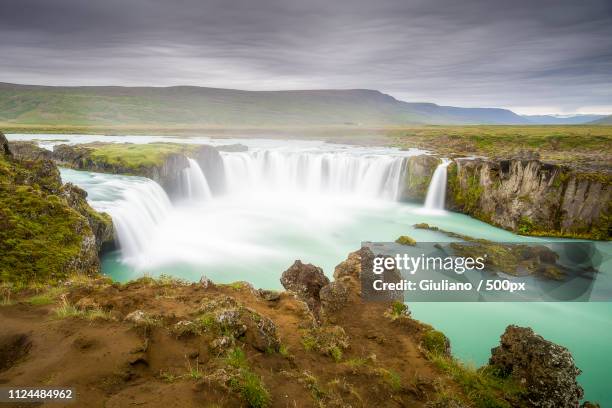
(532, 55)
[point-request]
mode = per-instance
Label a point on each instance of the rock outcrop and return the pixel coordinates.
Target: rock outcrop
(81, 157)
(4, 145)
(306, 281)
(547, 370)
(211, 163)
(101, 224)
(46, 229)
(418, 171)
(165, 164)
(29, 151)
(530, 197)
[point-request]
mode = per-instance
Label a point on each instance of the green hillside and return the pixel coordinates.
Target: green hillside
(195, 106)
(603, 121)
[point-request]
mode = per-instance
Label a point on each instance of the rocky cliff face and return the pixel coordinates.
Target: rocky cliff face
(530, 197)
(4, 145)
(29, 151)
(211, 163)
(418, 171)
(47, 231)
(166, 170)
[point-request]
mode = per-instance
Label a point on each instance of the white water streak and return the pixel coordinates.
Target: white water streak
(194, 183)
(436, 193)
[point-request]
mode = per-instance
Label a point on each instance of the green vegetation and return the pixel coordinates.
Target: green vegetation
(193, 372)
(466, 196)
(398, 310)
(569, 143)
(125, 158)
(435, 341)
(46, 298)
(329, 341)
(406, 240)
(393, 379)
(41, 236)
(483, 387)
(67, 310)
(246, 382)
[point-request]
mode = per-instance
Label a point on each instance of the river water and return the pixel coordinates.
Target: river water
(317, 202)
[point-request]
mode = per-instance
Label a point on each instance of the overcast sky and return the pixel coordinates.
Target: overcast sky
(533, 56)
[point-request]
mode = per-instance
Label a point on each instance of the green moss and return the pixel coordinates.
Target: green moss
(424, 225)
(397, 310)
(40, 234)
(406, 240)
(525, 226)
(469, 196)
(127, 158)
(435, 341)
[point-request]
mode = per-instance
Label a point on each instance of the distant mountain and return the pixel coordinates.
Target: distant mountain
(197, 106)
(606, 120)
(562, 120)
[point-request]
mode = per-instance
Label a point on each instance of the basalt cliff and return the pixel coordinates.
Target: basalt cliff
(522, 194)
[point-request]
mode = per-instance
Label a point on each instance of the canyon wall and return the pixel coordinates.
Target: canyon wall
(530, 197)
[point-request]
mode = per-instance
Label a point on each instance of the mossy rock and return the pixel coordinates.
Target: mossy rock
(436, 342)
(42, 238)
(406, 240)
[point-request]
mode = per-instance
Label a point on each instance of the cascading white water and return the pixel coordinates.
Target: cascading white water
(374, 176)
(194, 183)
(137, 205)
(436, 193)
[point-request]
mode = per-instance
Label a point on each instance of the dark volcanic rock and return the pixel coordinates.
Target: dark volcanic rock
(4, 145)
(547, 370)
(306, 280)
(335, 295)
(29, 151)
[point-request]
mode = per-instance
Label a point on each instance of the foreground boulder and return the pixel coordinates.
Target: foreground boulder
(547, 370)
(305, 280)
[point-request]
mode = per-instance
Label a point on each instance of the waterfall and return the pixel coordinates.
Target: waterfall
(136, 216)
(374, 176)
(436, 193)
(193, 182)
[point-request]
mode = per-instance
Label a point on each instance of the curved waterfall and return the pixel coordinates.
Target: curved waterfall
(436, 193)
(193, 182)
(137, 205)
(375, 176)
(137, 215)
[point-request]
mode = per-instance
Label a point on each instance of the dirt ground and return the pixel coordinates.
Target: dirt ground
(111, 362)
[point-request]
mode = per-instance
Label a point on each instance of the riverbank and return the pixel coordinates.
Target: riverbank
(161, 341)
